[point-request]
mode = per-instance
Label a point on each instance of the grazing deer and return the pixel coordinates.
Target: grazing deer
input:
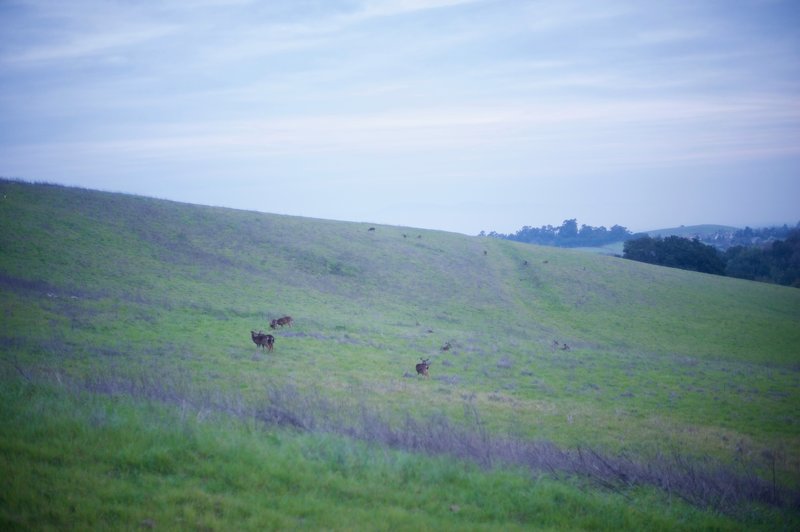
(422, 367)
(263, 340)
(446, 346)
(286, 320)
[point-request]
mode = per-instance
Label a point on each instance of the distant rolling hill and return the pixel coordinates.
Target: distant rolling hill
(98, 286)
(684, 231)
(692, 231)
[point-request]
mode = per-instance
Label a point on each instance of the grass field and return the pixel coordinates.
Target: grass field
(83, 461)
(136, 307)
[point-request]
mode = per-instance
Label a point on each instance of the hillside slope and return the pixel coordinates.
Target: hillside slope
(101, 285)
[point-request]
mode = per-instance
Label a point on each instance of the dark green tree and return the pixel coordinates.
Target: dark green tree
(778, 262)
(567, 235)
(642, 249)
(785, 263)
(568, 230)
(675, 252)
(747, 263)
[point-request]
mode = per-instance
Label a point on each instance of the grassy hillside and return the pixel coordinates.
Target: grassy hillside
(614, 249)
(102, 288)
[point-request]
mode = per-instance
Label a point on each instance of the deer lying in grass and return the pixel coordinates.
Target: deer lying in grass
(263, 340)
(422, 367)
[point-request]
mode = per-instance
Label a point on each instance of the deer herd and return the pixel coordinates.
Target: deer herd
(267, 341)
(261, 339)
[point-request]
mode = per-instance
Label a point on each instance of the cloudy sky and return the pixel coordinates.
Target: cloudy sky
(462, 115)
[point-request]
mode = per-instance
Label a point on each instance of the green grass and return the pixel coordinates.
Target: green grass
(97, 284)
(614, 249)
(79, 461)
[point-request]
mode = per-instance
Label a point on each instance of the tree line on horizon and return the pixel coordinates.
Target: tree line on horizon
(723, 239)
(567, 235)
(777, 262)
(770, 254)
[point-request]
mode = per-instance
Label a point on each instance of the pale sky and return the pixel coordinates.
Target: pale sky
(461, 115)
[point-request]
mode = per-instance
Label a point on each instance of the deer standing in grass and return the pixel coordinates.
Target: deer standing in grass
(422, 367)
(263, 340)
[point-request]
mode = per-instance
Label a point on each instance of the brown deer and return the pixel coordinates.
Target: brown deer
(286, 320)
(263, 340)
(422, 367)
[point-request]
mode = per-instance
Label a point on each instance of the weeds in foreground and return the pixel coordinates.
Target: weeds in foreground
(76, 460)
(702, 482)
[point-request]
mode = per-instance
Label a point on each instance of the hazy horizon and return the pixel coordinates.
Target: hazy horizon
(487, 231)
(460, 115)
